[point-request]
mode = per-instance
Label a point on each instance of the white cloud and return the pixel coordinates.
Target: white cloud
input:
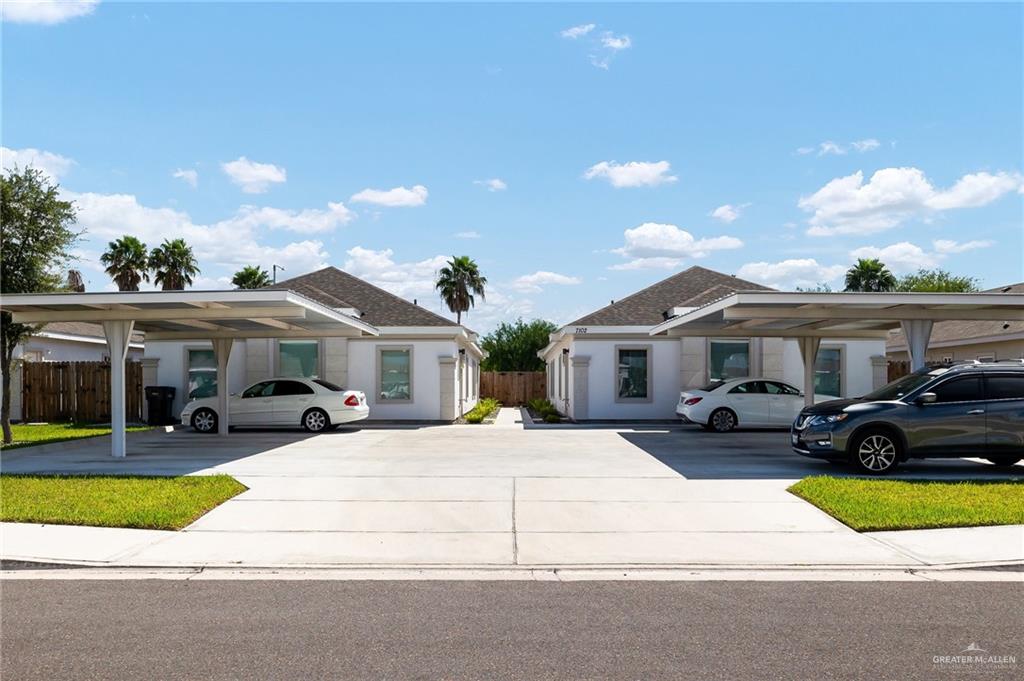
(45, 11)
(803, 151)
(470, 234)
(190, 177)
(790, 274)
(229, 243)
(848, 205)
(900, 258)
(660, 246)
(534, 283)
(253, 177)
(409, 280)
(54, 166)
(397, 197)
(307, 221)
(578, 31)
(869, 144)
(495, 184)
(947, 246)
(607, 47)
(615, 42)
(633, 173)
(829, 147)
(728, 213)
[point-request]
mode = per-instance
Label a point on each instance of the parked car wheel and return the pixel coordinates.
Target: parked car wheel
(1004, 460)
(875, 452)
(204, 421)
(722, 420)
(316, 421)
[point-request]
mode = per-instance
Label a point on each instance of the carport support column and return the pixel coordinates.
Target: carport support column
(222, 351)
(917, 333)
(809, 350)
(118, 333)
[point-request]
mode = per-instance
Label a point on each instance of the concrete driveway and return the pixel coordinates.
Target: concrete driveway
(496, 495)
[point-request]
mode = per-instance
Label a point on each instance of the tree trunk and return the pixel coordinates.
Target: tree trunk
(458, 317)
(5, 410)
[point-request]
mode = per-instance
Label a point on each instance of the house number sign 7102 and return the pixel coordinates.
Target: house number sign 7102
(581, 329)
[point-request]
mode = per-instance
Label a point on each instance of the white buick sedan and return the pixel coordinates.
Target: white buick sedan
(743, 402)
(314, 404)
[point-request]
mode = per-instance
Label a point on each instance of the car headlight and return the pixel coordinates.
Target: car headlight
(828, 418)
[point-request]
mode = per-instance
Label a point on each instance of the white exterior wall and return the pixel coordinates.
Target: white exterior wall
(662, 380)
(857, 377)
(170, 370)
(61, 350)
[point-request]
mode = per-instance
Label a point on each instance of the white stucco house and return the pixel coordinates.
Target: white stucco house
(606, 365)
(72, 342)
(419, 367)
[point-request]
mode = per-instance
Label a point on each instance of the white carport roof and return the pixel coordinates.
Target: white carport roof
(810, 317)
(217, 316)
(192, 315)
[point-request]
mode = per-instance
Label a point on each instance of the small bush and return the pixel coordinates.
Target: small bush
(542, 407)
(484, 408)
(552, 418)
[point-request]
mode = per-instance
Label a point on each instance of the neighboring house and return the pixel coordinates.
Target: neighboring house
(959, 340)
(422, 366)
(607, 366)
(72, 342)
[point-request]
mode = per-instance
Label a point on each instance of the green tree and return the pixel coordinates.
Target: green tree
(869, 274)
(35, 241)
(936, 281)
(458, 282)
(817, 288)
(514, 347)
(127, 262)
(251, 276)
(173, 265)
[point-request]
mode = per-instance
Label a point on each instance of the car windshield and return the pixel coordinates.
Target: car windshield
(906, 385)
(329, 385)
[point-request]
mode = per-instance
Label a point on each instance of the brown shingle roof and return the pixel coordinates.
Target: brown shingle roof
(692, 287)
(87, 329)
(334, 288)
(955, 330)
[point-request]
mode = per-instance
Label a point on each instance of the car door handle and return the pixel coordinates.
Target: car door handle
(976, 411)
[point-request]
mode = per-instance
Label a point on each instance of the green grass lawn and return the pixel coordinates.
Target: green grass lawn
(30, 434)
(154, 503)
(867, 505)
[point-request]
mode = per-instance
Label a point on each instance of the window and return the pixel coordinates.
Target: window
(774, 388)
(828, 372)
(749, 388)
(298, 358)
(288, 388)
(728, 359)
(327, 384)
(394, 374)
(633, 373)
(263, 389)
(964, 389)
(202, 373)
(1005, 387)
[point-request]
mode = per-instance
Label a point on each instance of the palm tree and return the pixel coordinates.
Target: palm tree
(75, 283)
(126, 262)
(869, 274)
(251, 276)
(173, 264)
(458, 283)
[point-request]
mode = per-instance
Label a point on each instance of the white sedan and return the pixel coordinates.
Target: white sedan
(748, 402)
(314, 404)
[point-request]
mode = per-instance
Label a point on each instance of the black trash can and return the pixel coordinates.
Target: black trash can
(160, 399)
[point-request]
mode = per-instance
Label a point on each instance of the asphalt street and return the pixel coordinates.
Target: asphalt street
(148, 629)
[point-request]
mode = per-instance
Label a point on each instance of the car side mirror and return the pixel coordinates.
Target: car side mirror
(927, 398)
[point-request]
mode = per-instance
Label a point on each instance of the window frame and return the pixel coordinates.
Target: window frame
(649, 350)
(380, 349)
(750, 357)
(319, 356)
(186, 366)
(990, 376)
(962, 377)
(841, 347)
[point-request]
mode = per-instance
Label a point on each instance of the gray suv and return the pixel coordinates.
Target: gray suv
(969, 409)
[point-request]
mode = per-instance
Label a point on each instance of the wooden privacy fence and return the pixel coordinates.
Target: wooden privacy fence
(76, 391)
(513, 387)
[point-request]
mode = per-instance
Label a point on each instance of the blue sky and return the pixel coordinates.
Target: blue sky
(577, 152)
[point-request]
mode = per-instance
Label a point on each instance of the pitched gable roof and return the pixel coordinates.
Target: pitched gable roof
(334, 288)
(692, 287)
(84, 329)
(961, 330)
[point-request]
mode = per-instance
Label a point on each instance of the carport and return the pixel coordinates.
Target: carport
(217, 316)
(810, 317)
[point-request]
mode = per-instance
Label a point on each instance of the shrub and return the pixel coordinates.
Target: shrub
(552, 418)
(542, 407)
(484, 408)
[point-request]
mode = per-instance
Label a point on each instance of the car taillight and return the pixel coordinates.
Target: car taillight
(692, 401)
(351, 401)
